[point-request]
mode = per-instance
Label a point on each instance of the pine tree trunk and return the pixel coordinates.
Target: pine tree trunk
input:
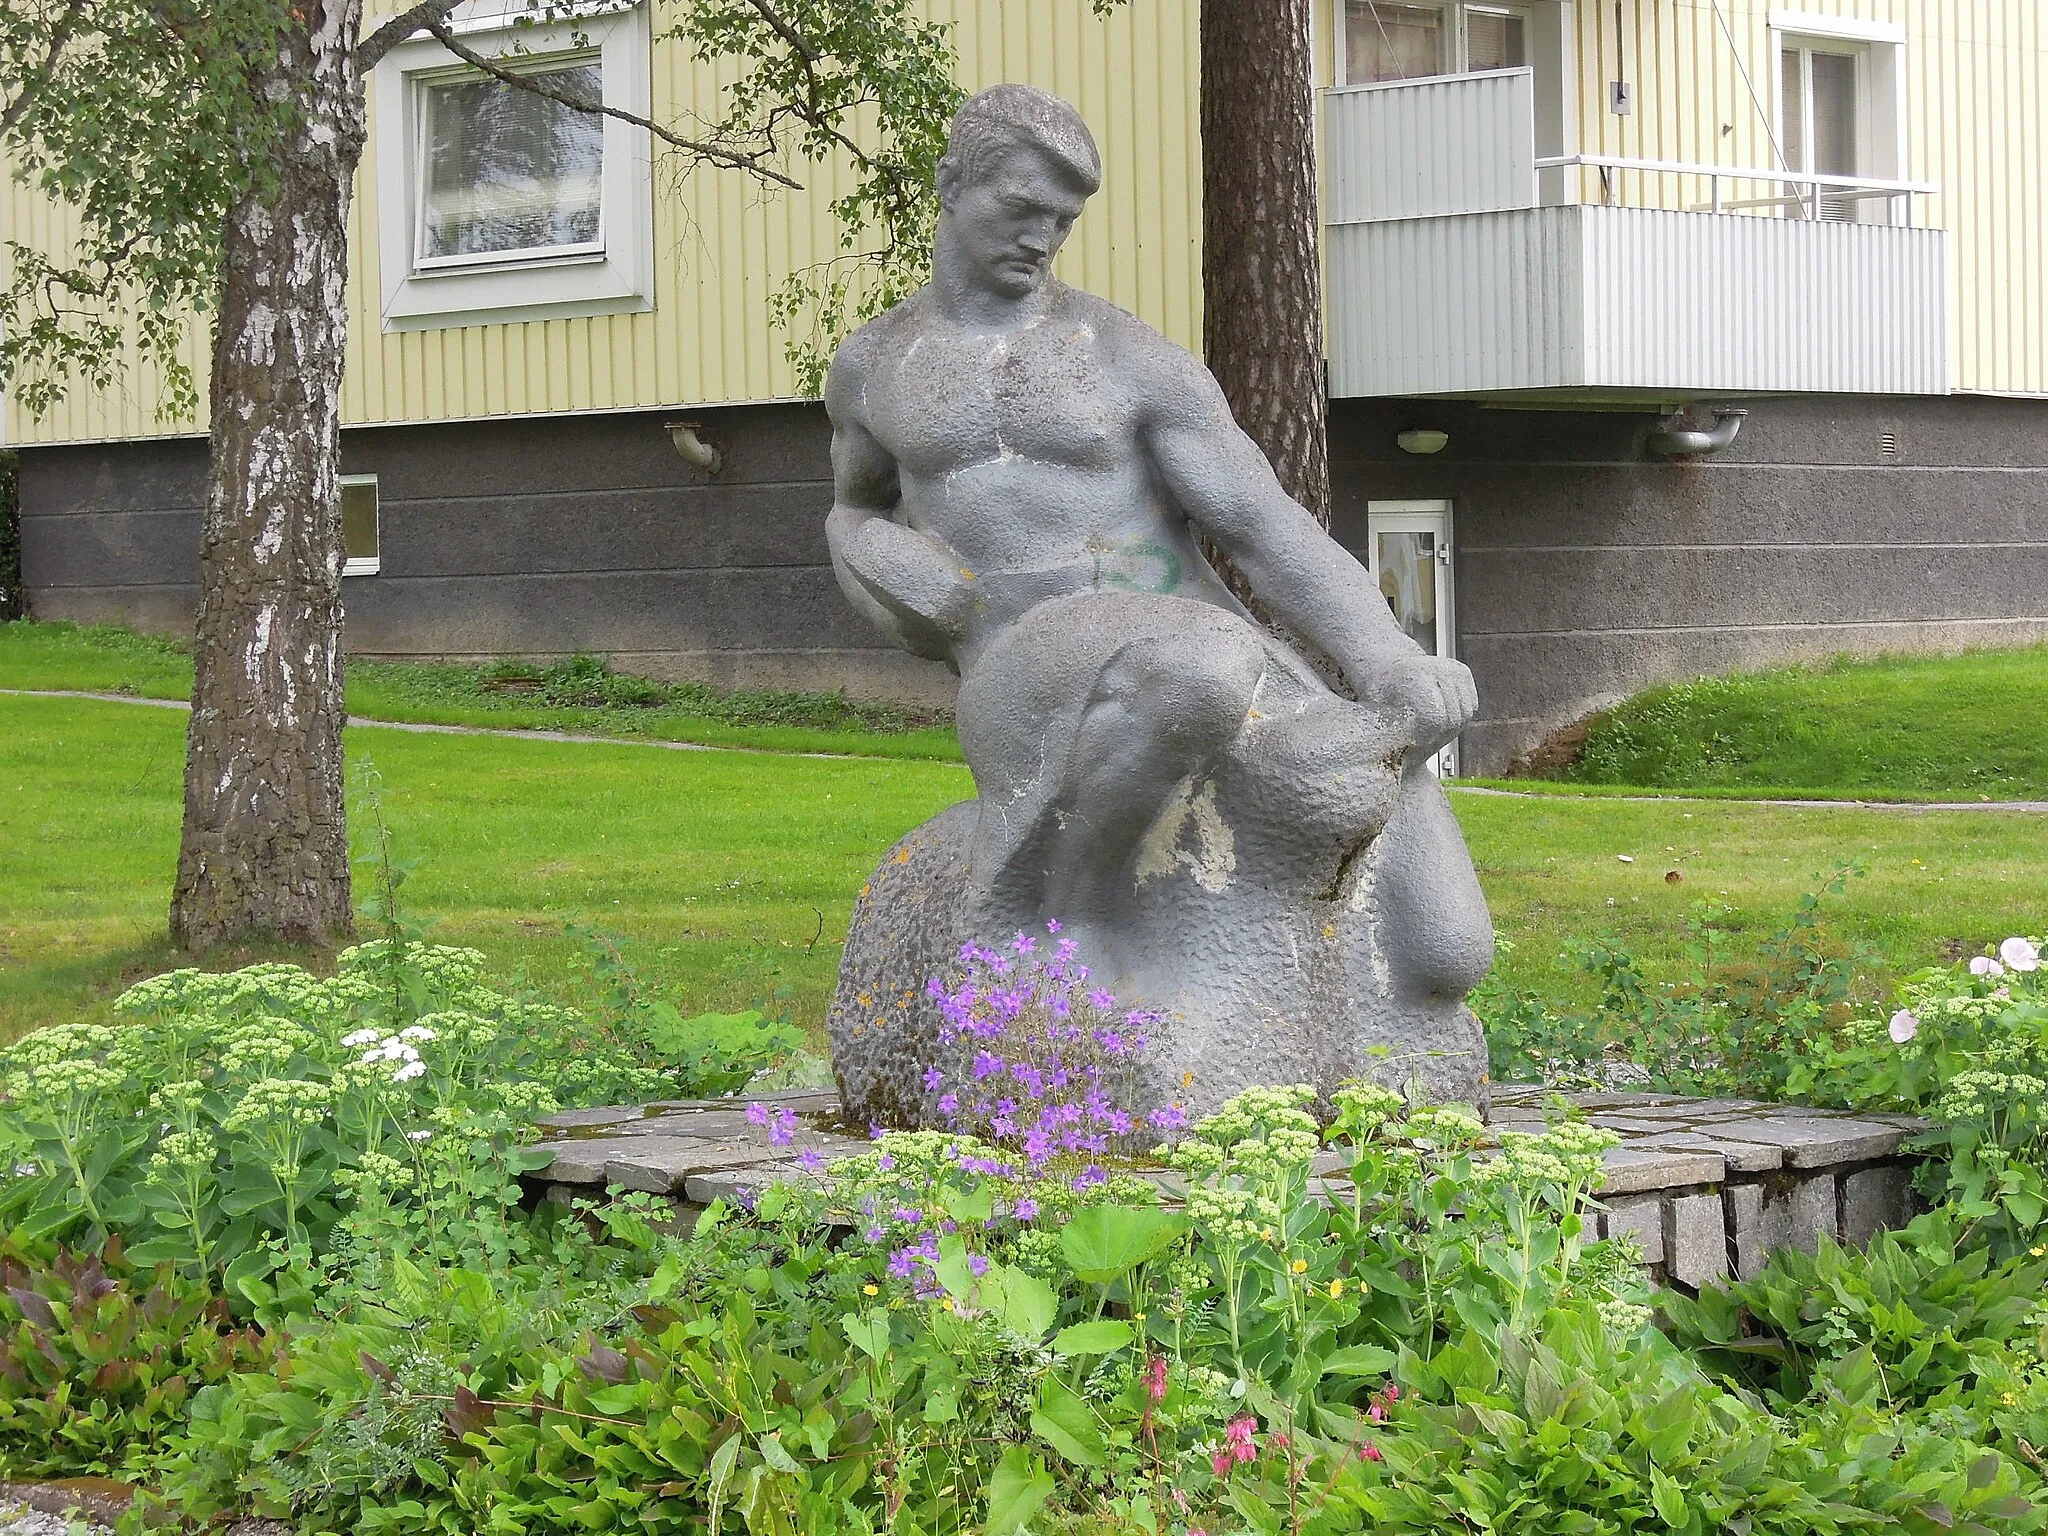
(265, 847)
(1262, 320)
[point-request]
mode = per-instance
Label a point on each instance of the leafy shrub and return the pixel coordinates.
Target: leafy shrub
(98, 1361)
(13, 602)
(269, 1116)
(1719, 1027)
(1966, 1044)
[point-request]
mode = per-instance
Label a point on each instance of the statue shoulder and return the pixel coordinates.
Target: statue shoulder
(1159, 371)
(861, 354)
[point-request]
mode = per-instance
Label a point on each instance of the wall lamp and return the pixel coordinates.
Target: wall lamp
(1423, 440)
(693, 448)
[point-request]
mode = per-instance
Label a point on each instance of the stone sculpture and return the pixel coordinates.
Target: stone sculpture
(1021, 474)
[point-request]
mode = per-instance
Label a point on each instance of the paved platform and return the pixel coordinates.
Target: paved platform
(1708, 1187)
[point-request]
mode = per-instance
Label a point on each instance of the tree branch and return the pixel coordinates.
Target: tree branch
(371, 50)
(36, 78)
(716, 154)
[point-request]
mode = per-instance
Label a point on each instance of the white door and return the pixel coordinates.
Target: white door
(1408, 552)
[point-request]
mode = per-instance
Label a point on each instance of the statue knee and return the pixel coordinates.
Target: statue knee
(1194, 690)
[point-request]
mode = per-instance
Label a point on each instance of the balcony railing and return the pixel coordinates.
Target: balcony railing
(1813, 195)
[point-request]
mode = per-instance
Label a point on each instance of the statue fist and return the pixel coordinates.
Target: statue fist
(1435, 692)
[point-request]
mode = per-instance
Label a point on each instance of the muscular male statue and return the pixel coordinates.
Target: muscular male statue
(1021, 474)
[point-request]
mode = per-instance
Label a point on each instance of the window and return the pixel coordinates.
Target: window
(1821, 97)
(359, 525)
(495, 203)
(1404, 39)
(505, 173)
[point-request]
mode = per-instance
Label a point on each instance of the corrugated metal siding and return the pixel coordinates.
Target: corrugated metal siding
(724, 245)
(1466, 144)
(1475, 303)
(1629, 299)
(1706, 302)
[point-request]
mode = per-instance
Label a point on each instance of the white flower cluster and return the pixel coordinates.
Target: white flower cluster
(400, 1050)
(1568, 1155)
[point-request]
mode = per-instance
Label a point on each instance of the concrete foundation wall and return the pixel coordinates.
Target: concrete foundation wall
(1584, 568)
(534, 538)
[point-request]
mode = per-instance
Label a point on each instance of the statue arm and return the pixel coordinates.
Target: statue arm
(1312, 584)
(905, 583)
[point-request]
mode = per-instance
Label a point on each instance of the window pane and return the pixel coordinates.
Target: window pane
(1385, 41)
(507, 170)
(1792, 125)
(359, 521)
(1834, 125)
(1494, 40)
(1407, 566)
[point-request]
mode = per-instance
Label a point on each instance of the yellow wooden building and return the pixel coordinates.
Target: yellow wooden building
(1566, 242)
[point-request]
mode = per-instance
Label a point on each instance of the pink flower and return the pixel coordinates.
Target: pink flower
(1905, 1025)
(1984, 965)
(1372, 1452)
(2020, 954)
(1221, 1463)
(1237, 1438)
(1155, 1379)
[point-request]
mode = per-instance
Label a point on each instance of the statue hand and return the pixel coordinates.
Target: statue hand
(1435, 692)
(914, 576)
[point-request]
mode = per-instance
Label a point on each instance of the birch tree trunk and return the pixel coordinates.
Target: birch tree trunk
(1262, 306)
(265, 846)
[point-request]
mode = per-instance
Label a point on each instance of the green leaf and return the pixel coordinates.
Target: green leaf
(722, 1461)
(1096, 1338)
(1984, 1470)
(777, 1455)
(1668, 1498)
(1025, 1304)
(1359, 1360)
(1106, 1242)
(870, 1334)
(1020, 1485)
(1064, 1421)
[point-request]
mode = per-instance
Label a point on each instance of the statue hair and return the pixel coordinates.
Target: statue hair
(993, 122)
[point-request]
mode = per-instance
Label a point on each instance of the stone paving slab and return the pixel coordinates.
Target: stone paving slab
(1708, 1187)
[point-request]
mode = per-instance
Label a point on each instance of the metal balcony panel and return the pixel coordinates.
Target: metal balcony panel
(1458, 144)
(1635, 302)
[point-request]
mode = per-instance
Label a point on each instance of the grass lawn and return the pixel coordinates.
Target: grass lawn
(1944, 728)
(730, 875)
(577, 697)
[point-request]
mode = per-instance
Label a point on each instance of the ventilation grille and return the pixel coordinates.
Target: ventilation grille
(1888, 445)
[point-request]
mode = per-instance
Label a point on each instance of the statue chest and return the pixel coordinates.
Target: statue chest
(951, 402)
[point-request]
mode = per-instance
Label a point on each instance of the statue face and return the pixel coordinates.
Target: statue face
(1007, 226)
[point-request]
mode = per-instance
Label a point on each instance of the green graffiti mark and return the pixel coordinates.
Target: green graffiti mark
(1163, 575)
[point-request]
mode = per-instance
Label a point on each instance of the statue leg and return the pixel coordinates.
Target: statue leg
(1080, 724)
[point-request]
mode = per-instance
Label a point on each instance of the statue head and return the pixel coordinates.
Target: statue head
(1019, 165)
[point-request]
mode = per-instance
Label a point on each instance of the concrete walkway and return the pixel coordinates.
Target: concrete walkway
(1914, 807)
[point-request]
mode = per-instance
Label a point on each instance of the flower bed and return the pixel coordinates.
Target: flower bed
(941, 1332)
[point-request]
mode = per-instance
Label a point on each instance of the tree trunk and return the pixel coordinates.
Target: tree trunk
(265, 847)
(1262, 305)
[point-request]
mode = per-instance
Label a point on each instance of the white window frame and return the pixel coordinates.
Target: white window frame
(1433, 517)
(1879, 48)
(1460, 49)
(612, 275)
(363, 565)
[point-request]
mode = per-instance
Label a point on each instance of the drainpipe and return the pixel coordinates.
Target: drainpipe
(1669, 442)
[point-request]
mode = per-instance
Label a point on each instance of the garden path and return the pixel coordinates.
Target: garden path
(2030, 807)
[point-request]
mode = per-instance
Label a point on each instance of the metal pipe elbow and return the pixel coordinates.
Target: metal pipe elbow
(1672, 442)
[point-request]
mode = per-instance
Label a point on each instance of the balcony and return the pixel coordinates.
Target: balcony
(1462, 263)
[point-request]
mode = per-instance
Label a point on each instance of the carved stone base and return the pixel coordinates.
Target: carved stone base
(1261, 991)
